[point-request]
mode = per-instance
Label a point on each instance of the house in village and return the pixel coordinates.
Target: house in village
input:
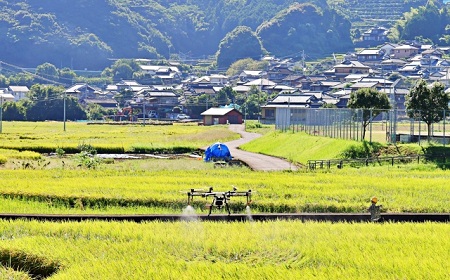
(19, 92)
(404, 51)
(293, 80)
(290, 101)
(214, 116)
(376, 34)
(371, 55)
(346, 68)
(5, 96)
(251, 75)
(83, 91)
(388, 49)
(159, 101)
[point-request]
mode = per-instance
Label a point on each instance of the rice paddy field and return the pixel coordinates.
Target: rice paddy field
(32, 182)
(48, 136)
(261, 250)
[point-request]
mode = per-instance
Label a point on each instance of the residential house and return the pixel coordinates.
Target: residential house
(166, 74)
(377, 34)
(278, 73)
(388, 49)
(214, 116)
(5, 96)
(250, 75)
(151, 99)
(323, 85)
(19, 92)
(433, 52)
(211, 80)
(370, 55)
(261, 84)
(389, 65)
(307, 81)
(279, 89)
(83, 91)
(361, 85)
(280, 103)
(130, 85)
(347, 67)
(241, 89)
(411, 70)
(293, 80)
(404, 51)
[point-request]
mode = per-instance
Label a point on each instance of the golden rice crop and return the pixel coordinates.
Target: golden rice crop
(259, 250)
(350, 190)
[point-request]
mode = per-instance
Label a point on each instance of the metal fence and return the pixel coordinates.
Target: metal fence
(357, 124)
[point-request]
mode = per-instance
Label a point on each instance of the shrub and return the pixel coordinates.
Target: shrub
(3, 159)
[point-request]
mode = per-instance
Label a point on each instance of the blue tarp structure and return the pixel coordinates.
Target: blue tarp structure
(217, 151)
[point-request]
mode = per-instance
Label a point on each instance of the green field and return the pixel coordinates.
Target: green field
(36, 183)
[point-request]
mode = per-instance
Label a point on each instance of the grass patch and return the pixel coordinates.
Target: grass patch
(298, 147)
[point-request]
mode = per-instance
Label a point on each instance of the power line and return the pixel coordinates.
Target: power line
(32, 74)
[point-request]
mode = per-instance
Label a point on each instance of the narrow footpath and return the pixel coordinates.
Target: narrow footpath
(255, 161)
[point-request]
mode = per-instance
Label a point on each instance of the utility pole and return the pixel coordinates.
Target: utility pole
(64, 110)
(1, 112)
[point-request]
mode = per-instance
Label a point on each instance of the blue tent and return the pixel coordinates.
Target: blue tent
(217, 151)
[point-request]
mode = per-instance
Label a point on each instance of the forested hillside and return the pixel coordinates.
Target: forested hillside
(85, 33)
(88, 34)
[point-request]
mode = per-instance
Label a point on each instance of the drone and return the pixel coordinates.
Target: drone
(220, 199)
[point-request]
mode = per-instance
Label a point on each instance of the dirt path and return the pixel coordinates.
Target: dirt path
(253, 160)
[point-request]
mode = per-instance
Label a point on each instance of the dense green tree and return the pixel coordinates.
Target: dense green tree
(47, 71)
(425, 24)
(240, 43)
(95, 112)
(305, 27)
(67, 76)
(246, 64)
(371, 101)
(252, 102)
(123, 96)
(14, 111)
(21, 79)
(427, 103)
(46, 102)
(226, 96)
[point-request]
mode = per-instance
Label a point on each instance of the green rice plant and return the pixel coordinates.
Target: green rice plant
(3, 159)
(221, 250)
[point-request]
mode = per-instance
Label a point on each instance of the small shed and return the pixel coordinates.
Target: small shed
(214, 116)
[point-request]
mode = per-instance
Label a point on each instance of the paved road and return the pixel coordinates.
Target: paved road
(253, 160)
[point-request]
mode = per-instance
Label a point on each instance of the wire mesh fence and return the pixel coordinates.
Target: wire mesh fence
(391, 126)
